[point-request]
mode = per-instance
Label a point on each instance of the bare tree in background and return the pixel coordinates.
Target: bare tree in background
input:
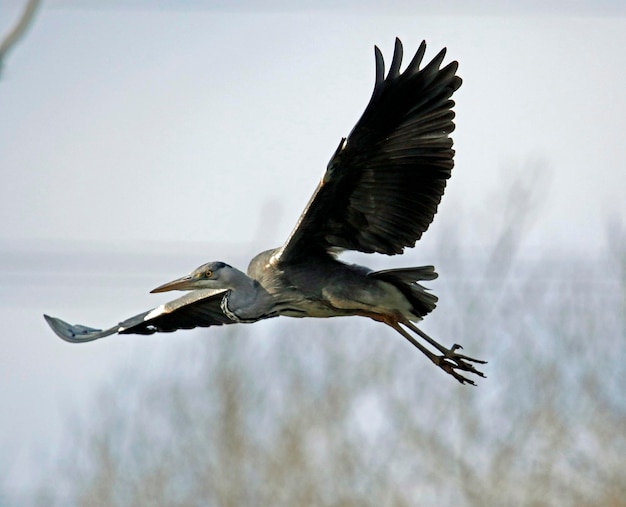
(342, 414)
(18, 30)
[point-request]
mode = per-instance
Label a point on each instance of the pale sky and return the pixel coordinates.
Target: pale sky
(140, 125)
(134, 130)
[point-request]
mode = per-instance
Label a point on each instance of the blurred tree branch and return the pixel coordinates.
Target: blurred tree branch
(328, 414)
(19, 29)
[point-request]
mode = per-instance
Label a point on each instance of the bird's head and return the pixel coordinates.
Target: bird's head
(212, 275)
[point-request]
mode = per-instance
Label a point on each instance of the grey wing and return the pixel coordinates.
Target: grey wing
(383, 185)
(198, 308)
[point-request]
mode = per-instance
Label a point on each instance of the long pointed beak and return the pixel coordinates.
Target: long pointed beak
(186, 282)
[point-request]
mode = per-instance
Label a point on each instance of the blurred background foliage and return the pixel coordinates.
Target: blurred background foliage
(343, 412)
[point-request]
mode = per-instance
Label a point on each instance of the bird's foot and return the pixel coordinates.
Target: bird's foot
(450, 361)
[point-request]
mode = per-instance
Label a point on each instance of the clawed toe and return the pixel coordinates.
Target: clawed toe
(449, 368)
(459, 358)
(450, 362)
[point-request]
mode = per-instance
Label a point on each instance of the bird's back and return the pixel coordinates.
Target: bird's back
(322, 286)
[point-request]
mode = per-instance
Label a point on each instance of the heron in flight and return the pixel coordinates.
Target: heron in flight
(379, 194)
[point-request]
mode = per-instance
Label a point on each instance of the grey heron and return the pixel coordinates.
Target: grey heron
(379, 194)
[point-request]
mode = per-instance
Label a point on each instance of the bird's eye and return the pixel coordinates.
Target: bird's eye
(208, 273)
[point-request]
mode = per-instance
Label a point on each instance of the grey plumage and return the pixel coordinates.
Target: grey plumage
(379, 193)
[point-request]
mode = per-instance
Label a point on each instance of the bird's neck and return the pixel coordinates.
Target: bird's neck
(247, 299)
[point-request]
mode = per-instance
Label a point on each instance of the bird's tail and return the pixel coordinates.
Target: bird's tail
(406, 280)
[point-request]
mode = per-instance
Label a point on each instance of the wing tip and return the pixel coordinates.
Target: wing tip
(380, 67)
(396, 60)
(73, 334)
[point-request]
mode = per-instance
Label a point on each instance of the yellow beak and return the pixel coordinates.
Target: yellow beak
(186, 282)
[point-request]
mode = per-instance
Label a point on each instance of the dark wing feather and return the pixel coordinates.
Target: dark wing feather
(382, 186)
(198, 308)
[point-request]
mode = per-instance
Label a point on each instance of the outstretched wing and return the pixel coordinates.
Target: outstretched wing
(382, 187)
(198, 308)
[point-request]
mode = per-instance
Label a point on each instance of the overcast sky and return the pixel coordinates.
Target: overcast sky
(128, 130)
(158, 124)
